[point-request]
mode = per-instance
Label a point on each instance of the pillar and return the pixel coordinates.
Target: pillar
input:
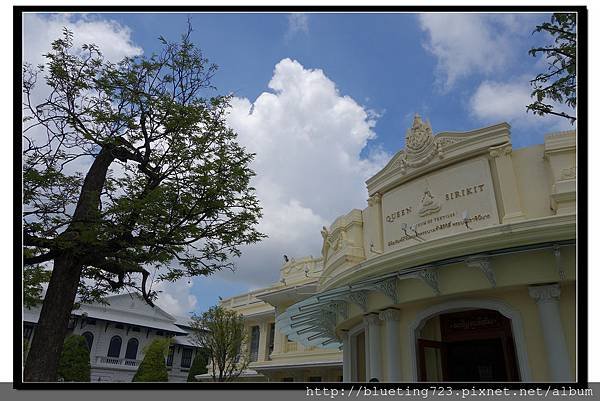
(373, 326)
(546, 298)
(346, 357)
(263, 332)
(391, 317)
(507, 181)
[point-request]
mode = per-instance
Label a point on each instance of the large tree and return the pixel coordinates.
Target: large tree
(558, 84)
(129, 171)
(222, 334)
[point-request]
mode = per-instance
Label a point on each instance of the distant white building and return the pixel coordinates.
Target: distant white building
(118, 333)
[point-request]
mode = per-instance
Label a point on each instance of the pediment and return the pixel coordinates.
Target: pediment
(425, 152)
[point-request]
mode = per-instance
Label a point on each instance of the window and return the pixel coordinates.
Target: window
(254, 339)
(131, 350)
(89, 339)
(186, 358)
(314, 379)
(287, 379)
(136, 329)
(27, 331)
(160, 333)
(170, 356)
(118, 326)
(271, 338)
(91, 322)
(114, 349)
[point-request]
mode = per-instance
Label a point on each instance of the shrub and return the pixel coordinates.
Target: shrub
(154, 368)
(74, 364)
(198, 365)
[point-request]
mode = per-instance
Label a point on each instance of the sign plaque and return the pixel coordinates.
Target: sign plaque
(442, 203)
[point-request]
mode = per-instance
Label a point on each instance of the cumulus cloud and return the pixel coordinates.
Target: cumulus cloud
(308, 139)
(176, 297)
(39, 30)
(507, 101)
(464, 44)
(501, 101)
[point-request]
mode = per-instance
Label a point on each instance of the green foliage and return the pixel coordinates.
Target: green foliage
(559, 83)
(198, 365)
(221, 332)
(172, 193)
(154, 368)
(74, 365)
(33, 277)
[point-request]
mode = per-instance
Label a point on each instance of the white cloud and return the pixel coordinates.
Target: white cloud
(308, 140)
(176, 297)
(297, 23)
(39, 30)
(472, 43)
(501, 101)
(506, 101)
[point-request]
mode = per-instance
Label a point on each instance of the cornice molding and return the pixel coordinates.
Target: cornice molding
(526, 232)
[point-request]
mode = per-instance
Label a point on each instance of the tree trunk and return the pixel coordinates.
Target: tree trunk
(52, 327)
(51, 330)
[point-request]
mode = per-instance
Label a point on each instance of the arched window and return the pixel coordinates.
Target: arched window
(132, 347)
(114, 349)
(89, 339)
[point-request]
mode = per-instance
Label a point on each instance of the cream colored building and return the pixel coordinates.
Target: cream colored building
(461, 268)
(274, 356)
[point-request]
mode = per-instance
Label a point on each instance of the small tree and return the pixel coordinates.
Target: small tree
(153, 367)
(74, 365)
(559, 83)
(222, 334)
(198, 365)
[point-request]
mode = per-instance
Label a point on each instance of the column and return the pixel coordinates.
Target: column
(373, 325)
(507, 180)
(391, 317)
(547, 297)
(263, 332)
(346, 357)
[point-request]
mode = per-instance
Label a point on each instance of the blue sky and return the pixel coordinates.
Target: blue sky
(377, 59)
(325, 99)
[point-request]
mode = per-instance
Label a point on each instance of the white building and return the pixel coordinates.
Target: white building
(118, 333)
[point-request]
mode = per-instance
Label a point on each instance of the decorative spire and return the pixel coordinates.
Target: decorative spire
(419, 136)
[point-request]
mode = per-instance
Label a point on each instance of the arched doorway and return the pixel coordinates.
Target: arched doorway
(438, 352)
(467, 346)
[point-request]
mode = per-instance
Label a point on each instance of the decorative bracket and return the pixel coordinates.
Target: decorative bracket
(337, 307)
(358, 298)
(430, 277)
(389, 288)
(484, 264)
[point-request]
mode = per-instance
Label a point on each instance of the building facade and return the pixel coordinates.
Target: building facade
(461, 268)
(118, 332)
(274, 356)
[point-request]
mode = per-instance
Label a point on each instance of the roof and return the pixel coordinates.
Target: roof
(184, 340)
(185, 321)
(125, 308)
